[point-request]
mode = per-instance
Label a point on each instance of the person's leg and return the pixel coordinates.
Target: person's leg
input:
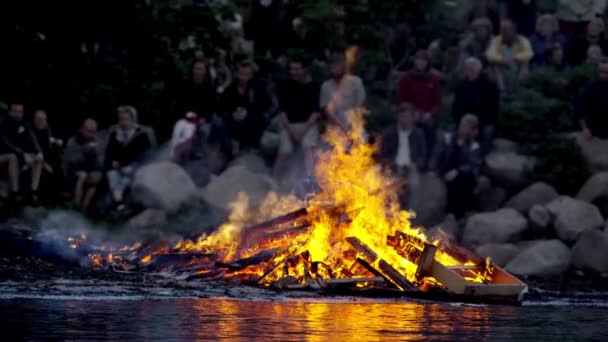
(92, 182)
(13, 170)
(37, 166)
(114, 184)
(81, 177)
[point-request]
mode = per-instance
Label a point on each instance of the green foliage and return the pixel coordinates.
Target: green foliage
(559, 161)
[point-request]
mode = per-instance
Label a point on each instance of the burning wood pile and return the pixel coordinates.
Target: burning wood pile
(350, 236)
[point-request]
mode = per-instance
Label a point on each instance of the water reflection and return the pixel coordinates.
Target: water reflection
(346, 320)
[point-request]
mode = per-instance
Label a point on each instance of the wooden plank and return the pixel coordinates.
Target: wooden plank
(253, 260)
(353, 281)
(395, 276)
(289, 217)
(426, 261)
(450, 279)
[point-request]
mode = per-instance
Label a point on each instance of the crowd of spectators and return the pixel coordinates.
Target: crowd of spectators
(505, 41)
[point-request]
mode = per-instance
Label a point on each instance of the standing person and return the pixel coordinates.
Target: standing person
(478, 41)
(299, 116)
(546, 38)
(509, 55)
(266, 16)
(196, 95)
(341, 94)
(127, 147)
(246, 104)
(51, 149)
(477, 95)
(577, 50)
(457, 160)
(21, 150)
(574, 15)
(403, 149)
(82, 159)
(421, 88)
(592, 103)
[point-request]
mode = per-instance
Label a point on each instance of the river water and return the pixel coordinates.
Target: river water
(342, 319)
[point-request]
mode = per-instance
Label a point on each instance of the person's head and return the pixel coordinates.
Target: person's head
(405, 117)
(16, 111)
(602, 68)
(199, 71)
(467, 127)
(297, 70)
(508, 31)
(547, 25)
(594, 54)
(41, 119)
(422, 61)
(244, 72)
(337, 67)
(89, 129)
(472, 68)
(482, 28)
(297, 24)
(127, 117)
(595, 29)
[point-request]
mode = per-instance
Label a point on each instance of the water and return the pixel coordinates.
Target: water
(288, 319)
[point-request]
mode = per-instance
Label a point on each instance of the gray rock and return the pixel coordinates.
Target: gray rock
(491, 199)
(504, 225)
(446, 229)
(540, 217)
(546, 258)
(500, 254)
(430, 201)
(595, 151)
(164, 186)
(537, 193)
(484, 184)
(505, 146)
(594, 188)
(225, 188)
(508, 169)
(253, 162)
(149, 218)
(591, 251)
(572, 217)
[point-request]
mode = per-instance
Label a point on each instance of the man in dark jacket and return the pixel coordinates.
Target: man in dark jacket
(592, 103)
(51, 149)
(82, 163)
(457, 159)
(576, 50)
(246, 104)
(19, 147)
(127, 147)
(479, 96)
(403, 148)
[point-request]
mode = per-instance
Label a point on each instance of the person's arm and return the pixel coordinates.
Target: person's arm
(33, 141)
(73, 153)
(493, 53)
(526, 53)
(473, 165)
(360, 92)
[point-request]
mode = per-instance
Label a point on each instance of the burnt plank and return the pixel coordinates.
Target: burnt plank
(240, 264)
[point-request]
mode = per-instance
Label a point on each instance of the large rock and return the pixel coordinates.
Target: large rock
(430, 201)
(594, 150)
(505, 146)
(537, 193)
(500, 254)
(253, 162)
(508, 169)
(595, 187)
(591, 251)
(572, 217)
(448, 228)
(225, 188)
(540, 218)
(498, 227)
(149, 218)
(164, 186)
(544, 259)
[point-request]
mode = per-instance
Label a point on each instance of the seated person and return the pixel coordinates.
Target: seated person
(182, 137)
(127, 147)
(51, 149)
(403, 149)
(20, 149)
(82, 163)
(592, 103)
(457, 159)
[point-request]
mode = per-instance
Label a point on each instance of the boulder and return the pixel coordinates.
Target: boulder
(446, 229)
(505, 146)
(540, 217)
(537, 193)
(508, 169)
(572, 217)
(595, 151)
(253, 162)
(491, 199)
(500, 253)
(591, 251)
(501, 226)
(544, 259)
(163, 185)
(225, 188)
(149, 218)
(595, 187)
(430, 201)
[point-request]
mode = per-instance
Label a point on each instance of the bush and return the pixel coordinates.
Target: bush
(559, 162)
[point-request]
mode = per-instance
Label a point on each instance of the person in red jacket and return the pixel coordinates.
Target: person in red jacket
(421, 88)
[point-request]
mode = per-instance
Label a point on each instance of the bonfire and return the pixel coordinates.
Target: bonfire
(349, 234)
